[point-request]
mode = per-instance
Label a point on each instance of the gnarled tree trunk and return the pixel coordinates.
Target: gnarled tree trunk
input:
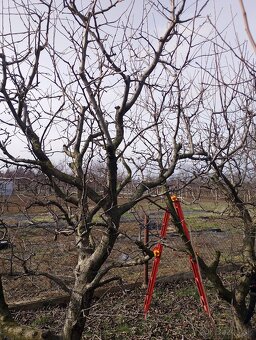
(87, 269)
(77, 312)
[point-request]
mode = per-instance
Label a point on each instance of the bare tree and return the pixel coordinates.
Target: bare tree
(247, 26)
(98, 84)
(227, 146)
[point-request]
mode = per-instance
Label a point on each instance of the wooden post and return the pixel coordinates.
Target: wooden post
(146, 240)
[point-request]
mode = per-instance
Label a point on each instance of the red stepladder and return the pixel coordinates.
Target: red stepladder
(157, 253)
(193, 262)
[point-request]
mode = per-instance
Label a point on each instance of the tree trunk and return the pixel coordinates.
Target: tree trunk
(77, 312)
(89, 264)
(242, 331)
(81, 297)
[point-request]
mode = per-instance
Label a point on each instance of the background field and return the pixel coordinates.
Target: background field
(35, 248)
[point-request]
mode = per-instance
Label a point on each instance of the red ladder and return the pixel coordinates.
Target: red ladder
(193, 262)
(158, 252)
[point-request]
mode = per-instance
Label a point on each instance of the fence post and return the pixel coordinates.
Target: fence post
(146, 240)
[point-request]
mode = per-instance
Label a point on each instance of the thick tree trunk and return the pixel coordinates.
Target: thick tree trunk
(88, 266)
(77, 312)
(81, 296)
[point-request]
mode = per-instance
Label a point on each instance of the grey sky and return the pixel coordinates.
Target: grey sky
(226, 14)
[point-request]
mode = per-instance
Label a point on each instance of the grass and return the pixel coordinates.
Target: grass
(206, 206)
(189, 291)
(196, 222)
(175, 312)
(123, 318)
(60, 256)
(172, 315)
(43, 218)
(41, 320)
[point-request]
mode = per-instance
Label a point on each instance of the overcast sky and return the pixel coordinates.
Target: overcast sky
(226, 14)
(224, 10)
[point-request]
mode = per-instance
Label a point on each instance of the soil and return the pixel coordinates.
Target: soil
(175, 313)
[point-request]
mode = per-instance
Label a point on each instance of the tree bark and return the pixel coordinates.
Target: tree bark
(82, 293)
(242, 331)
(77, 312)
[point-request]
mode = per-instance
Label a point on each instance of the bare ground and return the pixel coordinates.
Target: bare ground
(175, 313)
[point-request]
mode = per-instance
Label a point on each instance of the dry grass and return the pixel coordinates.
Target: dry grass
(34, 247)
(175, 313)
